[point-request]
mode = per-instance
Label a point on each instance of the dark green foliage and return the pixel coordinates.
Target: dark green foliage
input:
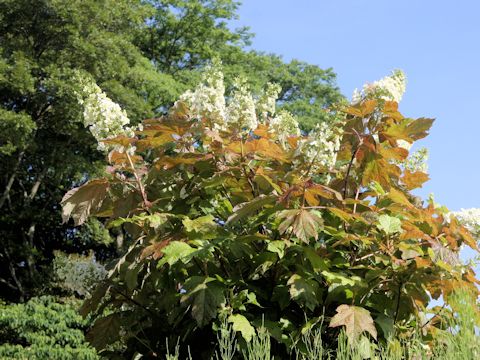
(143, 54)
(43, 328)
(44, 147)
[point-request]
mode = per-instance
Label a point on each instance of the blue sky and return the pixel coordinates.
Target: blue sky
(436, 43)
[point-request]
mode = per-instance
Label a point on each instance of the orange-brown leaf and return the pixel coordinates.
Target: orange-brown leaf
(414, 180)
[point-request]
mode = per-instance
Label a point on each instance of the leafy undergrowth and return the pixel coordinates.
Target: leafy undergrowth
(458, 340)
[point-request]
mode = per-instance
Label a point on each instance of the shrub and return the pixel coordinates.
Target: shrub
(43, 328)
(234, 213)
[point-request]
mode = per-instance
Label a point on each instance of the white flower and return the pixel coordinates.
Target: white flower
(320, 147)
(284, 125)
(104, 118)
(356, 96)
(266, 102)
(241, 111)
(390, 88)
(208, 98)
(417, 161)
(404, 144)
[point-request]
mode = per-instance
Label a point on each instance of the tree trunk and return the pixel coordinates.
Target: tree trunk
(6, 192)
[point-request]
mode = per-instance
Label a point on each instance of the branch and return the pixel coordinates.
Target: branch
(133, 301)
(400, 285)
(146, 203)
(347, 175)
(434, 316)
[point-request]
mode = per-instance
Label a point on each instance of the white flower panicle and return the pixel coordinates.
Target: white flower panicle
(389, 88)
(241, 112)
(470, 218)
(321, 147)
(208, 98)
(104, 118)
(267, 101)
(284, 125)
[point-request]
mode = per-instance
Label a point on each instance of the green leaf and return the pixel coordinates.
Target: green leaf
(105, 331)
(131, 275)
(277, 247)
(204, 295)
(241, 324)
(318, 263)
(338, 278)
(355, 319)
(156, 220)
(389, 224)
(250, 208)
(386, 324)
(304, 291)
(174, 252)
(204, 225)
(78, 203)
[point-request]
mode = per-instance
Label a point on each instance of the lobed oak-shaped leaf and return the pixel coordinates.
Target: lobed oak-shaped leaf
(376, 170)
(305, 223)
(418, 129)
(79, 202)
(399, 197)
(355, 319)
(389, 224)
(414, 180)
(204, 295)
(105, 331)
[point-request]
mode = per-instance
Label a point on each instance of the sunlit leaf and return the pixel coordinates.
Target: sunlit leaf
(305, 223)
(389, 224)
(241, 324)
(304, 291)
(175, 251)
(355, 319)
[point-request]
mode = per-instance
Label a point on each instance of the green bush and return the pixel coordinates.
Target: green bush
(43, 328)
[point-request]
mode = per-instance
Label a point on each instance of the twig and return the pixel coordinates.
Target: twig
(139, 182)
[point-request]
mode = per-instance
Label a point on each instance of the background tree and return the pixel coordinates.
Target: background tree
(182, 36)
(46, 149)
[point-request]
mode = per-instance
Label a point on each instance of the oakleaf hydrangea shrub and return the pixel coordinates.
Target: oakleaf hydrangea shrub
(234, 213)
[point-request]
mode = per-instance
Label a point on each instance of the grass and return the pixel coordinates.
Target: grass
(457, 339)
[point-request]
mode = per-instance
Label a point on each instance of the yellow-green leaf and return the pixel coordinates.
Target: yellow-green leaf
(240, 323)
